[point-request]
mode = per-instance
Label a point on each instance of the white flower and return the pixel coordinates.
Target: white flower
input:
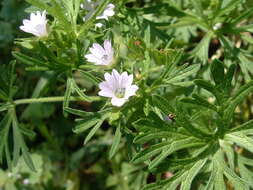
(118, 87)
(101, 55)
(217, 26)
(37, 25)
(108, 12)
(99, 25)
(26, 181)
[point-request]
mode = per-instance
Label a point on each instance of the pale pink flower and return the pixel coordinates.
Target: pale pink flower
(118, 87)
(37, 25)
(101, 55)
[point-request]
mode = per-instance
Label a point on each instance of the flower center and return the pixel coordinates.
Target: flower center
(120, 92)
(104, 57)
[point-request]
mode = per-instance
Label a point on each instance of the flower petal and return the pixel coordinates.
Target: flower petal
(118, 101)
(131, 91)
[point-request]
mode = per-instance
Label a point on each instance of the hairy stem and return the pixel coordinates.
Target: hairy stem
(50, 99)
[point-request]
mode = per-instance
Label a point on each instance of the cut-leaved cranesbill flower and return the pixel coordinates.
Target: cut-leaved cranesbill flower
(37, 25)
(101, 55)
(108, 12)
(118, 87)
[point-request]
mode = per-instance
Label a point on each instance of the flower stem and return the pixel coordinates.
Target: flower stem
(50, 99)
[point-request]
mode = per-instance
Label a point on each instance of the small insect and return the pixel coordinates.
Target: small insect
(172, 116)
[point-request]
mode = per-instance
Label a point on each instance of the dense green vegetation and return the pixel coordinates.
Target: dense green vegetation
(68, 120)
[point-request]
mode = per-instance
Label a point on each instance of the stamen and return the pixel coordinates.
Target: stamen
(120, 92)
(104, 57)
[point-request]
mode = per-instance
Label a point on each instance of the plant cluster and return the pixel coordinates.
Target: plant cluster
(166, 85)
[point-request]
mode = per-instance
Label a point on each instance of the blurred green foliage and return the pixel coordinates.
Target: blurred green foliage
(11, 15)
(200, 55)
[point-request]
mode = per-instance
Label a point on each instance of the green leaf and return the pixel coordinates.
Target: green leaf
(4, 132)
(78, 112)
(240, 95)
(175, 146)
(27, 59)
(228, 8)
(89, 119)
(229, 76)
(116, 142)
(207, 86)
(93, 130)
(148, 136)
(198, 7)
(243, 127)
(242, 16)
(197, 100)
(19, 145)
(149, 152)
(183, 74)
(80, 92)
(191, 174)
(217, 70)
(86, 123)
(163, 104)
(241, 140)
(27, 159)
(67, 94)
(87, 75)
(211, 179)
(4, 107)
(201, 50)
(237, 182)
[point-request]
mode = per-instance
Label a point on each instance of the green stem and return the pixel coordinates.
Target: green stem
(50, 99)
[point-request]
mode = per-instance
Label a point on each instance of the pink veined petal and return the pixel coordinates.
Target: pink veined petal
(25, 29)
(125, 80)
(106, 89)
(98, 49)
(107, 45)
(130, 80)
(131, 91)
(41, 30)
(106, 93)
(26, 22)
(95, 52)
(117, 78)
(91, 58)
(118, 101)
(111, 81)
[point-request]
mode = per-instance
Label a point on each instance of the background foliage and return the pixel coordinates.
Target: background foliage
(189, 127)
